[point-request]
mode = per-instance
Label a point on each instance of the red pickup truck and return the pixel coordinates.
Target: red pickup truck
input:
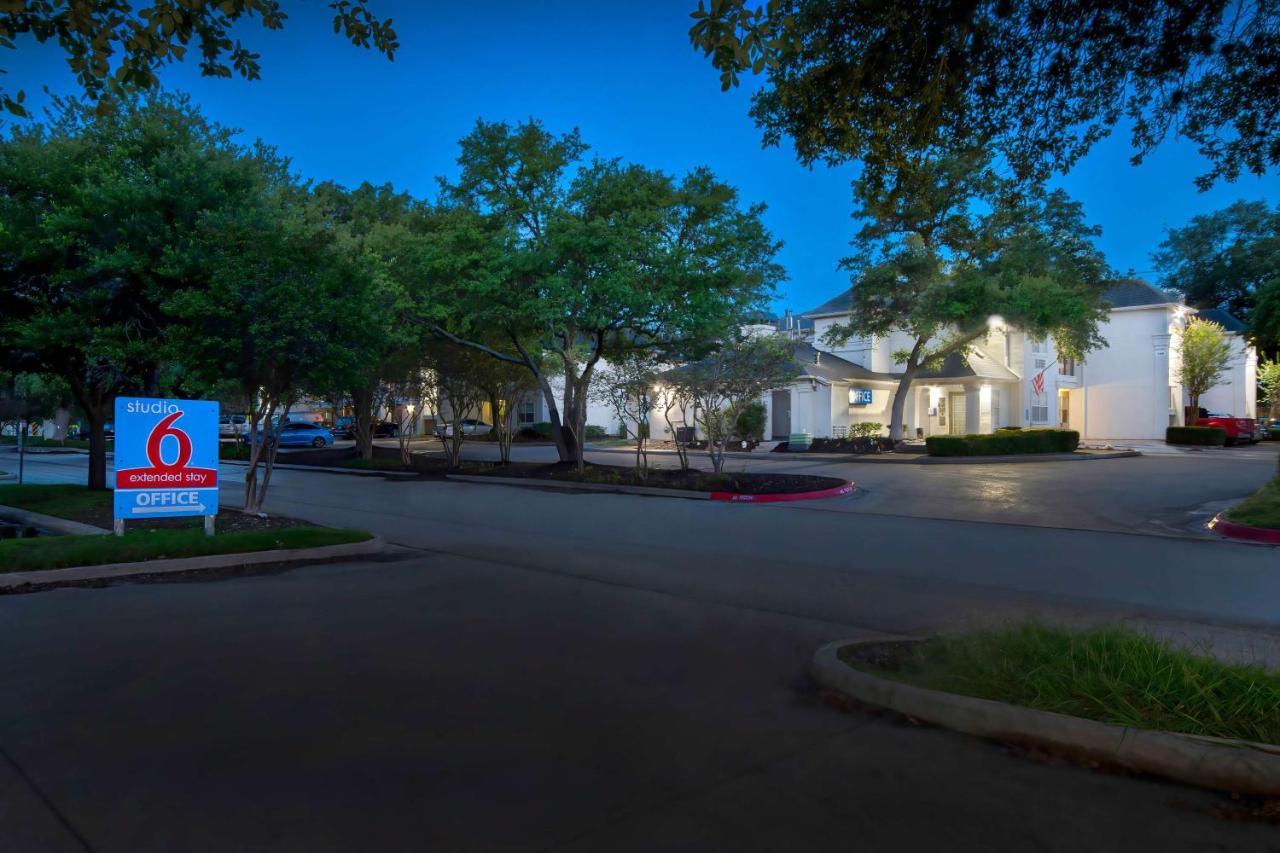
(1239, 430)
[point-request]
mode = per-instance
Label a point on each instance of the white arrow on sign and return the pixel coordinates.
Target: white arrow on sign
(140, 510)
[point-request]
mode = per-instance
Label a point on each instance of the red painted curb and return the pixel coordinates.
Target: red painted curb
(1232, 530)
(778, 497)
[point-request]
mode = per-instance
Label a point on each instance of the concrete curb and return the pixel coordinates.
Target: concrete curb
(1234, 530)
(1237, 766)
(375, 545)
(656, 491)
(355, 472)
(50, 522)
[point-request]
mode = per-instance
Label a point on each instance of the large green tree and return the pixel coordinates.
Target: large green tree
(96, 218)
(948, 244)
(568, 262)
(1228, 259)
(1040, 81)
(285, 308)
(116, 47)
(387, 233)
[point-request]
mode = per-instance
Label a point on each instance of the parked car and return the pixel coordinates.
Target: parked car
(303, 435)
(1238, 430)
(470, 426)
(232, 426)
(1269, 428)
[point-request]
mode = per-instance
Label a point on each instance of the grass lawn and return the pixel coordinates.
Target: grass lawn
(1114, 675)
(55, 552)
(1261, 509)
(64, 501)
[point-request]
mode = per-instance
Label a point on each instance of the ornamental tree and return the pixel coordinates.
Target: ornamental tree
(1038, 81)
(947, 244)
(566, 263)
(724, 386)
(1204, 356)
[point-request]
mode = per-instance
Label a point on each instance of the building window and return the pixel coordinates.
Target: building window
(1039, 407)
(1066, 366)
(1039, 346)
(1040, 363)
(528, 411)
(995, 409)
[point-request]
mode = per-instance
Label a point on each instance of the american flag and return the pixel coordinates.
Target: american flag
(1037, 384)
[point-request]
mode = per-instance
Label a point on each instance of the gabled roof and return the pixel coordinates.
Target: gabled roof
(977, 364)
(1136, 293)
(832, 307)
(1227, 321)
(823, 365)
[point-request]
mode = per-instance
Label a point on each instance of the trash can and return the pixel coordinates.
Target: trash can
(684, 434)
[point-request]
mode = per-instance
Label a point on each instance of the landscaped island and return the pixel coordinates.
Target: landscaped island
(156, 539)
(1112, 675)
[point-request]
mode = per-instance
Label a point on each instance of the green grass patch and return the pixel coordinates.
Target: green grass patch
(62, 500)
(1261, 509)
(56, 552)
(1114, 675)
(237, 450)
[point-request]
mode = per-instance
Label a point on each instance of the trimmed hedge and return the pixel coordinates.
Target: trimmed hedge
(1196, 435)
(1005, 442)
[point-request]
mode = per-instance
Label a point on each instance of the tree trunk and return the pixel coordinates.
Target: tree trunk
(97, 451)
(1192, 412)
(900, 402)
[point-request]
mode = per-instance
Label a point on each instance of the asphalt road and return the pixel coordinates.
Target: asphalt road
(553, 671)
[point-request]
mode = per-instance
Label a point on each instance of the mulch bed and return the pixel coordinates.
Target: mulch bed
(697, 481)
(228, 520)
(847, 445)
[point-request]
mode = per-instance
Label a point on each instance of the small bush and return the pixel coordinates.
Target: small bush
(1196, 436)
(751, 422)
(1005, 443)
(595, 431)
(869, 429)
(542, 429)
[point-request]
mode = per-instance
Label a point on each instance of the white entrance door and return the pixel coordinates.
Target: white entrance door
(956, 415)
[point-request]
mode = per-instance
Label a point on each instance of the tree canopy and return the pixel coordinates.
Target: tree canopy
(949, 244)
(1040, 81)
(548, 255)
(1229, 259)
(115, 48)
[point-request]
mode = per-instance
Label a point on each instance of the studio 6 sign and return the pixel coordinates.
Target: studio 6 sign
(166, 457)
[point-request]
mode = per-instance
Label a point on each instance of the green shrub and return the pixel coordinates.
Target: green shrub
(751, 422)
(1005, 442)
(869, 429)
(595, 431)
(1197, 436)
(542, 428)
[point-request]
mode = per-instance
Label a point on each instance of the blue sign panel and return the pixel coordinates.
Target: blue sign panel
(166, 457)
(859, 396)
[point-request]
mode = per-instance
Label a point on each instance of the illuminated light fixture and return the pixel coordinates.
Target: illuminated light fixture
(995, 323)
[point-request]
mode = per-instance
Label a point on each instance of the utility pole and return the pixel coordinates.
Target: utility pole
(22, 428)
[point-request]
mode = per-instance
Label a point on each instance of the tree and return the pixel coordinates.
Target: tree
(1269, 380)
(96, 215)
(140, 41)
(628, 390)
(283, 311)
(1039, 81)
(1224, 259)
(572, 267)
(1204, 358)
(503, 384)
(724, 386)
(947, 245)
(455, 385)
(384, 231)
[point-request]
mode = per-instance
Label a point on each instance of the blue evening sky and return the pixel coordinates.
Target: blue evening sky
(626, 76)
